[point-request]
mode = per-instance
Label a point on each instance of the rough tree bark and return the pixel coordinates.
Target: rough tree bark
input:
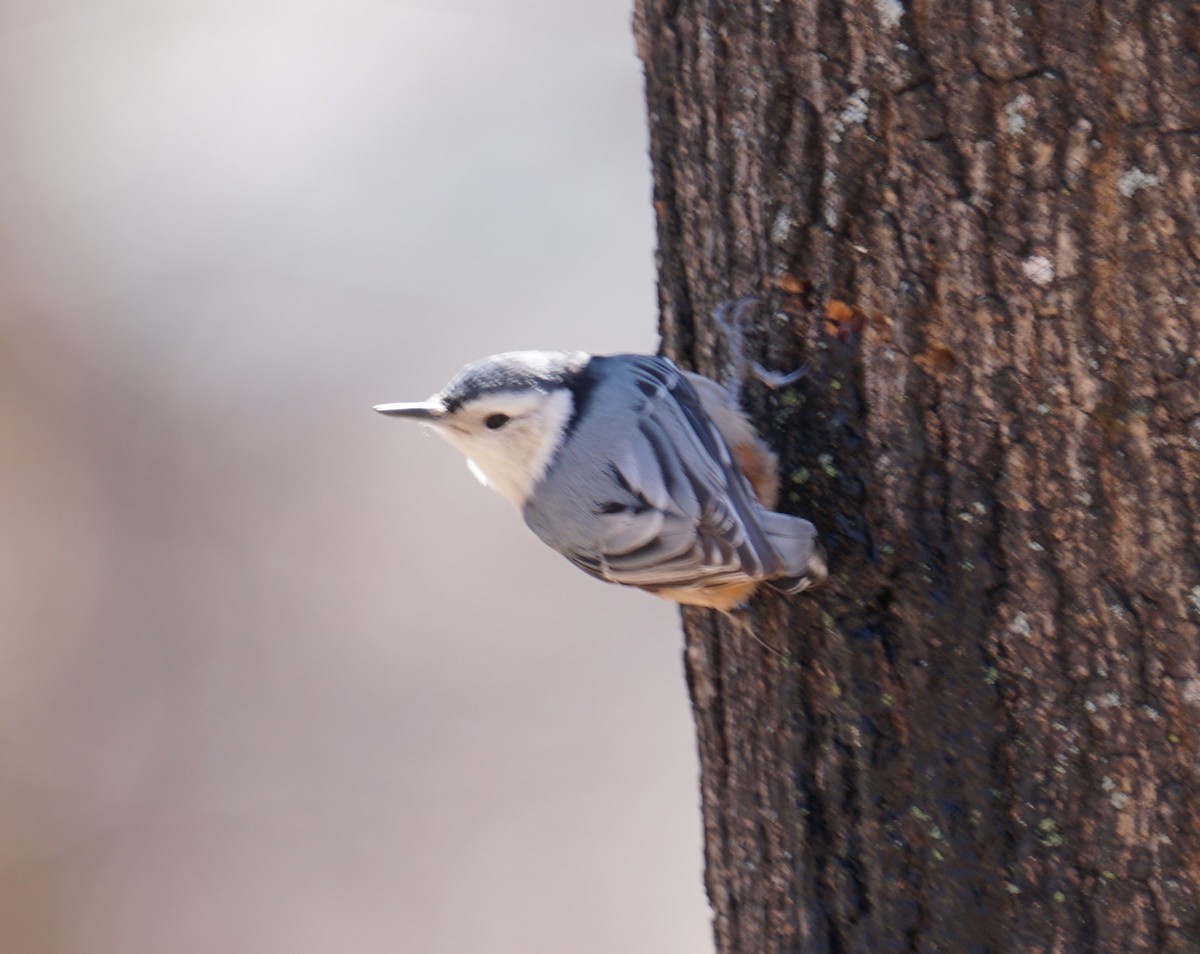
(979, 223)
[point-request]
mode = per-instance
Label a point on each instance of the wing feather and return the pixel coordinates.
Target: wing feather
(682, 513)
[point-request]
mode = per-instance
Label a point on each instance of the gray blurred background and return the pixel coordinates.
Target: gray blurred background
(276, 674)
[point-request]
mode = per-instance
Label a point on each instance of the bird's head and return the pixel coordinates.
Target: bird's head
(507, 413)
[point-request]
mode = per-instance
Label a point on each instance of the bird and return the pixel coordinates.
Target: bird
(636, 471)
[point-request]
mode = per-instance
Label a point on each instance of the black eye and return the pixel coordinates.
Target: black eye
(496, 421)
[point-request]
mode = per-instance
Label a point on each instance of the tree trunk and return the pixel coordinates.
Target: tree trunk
(979, 223)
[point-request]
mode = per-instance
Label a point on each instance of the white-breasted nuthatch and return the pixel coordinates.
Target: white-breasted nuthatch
(637, 472)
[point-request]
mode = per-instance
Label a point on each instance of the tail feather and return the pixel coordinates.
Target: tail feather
(802, 558)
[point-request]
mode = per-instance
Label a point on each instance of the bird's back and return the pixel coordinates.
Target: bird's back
(644, 490)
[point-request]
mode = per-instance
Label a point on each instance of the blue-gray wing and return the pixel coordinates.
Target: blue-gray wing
(672, 509)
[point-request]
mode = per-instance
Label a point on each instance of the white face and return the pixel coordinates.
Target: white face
(509, 437)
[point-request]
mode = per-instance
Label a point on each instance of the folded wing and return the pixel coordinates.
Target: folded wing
(675, 511)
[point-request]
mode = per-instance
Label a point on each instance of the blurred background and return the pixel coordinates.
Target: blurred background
(276, 674)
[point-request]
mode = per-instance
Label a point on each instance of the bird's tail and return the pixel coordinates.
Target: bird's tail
(801, 557)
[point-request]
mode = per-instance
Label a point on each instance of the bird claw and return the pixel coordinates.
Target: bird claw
(728, 317)
(777, 379)
(744, 618)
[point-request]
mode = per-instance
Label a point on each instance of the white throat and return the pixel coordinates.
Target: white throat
(514, 465)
